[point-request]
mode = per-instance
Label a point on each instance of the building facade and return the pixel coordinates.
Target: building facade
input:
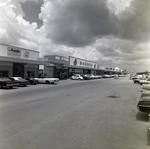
(21, 62)
(64, 67)
(16, 61)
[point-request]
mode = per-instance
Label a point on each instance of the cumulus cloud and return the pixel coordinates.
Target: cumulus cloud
(134, 21)
(111, 33)
(77, 23)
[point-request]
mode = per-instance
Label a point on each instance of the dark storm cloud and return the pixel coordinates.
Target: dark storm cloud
(117, 49)
(79, 23)
(134, 22)
(31, 11)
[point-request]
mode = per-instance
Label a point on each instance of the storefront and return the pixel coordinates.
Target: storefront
(57, 66)
(16, 61)
(80, 66)
(63, 68)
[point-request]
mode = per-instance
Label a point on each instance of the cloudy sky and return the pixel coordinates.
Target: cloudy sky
(113, 33)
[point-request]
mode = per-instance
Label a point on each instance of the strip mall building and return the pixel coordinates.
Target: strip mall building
(16, 61)
(63, 67)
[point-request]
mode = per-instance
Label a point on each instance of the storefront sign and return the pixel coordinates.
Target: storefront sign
(26, 54)
(14, 51)
(82, 63)
(57, 57)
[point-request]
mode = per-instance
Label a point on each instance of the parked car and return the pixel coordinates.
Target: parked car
(106, 76)
(98, 76)
(22, 81)
(144, 104)
(89, 76)
(146, 87)
(32, 81)
(136, 80)
(47, 80)
(143, 81)
(85, 77)
(148, 80)
(6, 82)
(76, 77)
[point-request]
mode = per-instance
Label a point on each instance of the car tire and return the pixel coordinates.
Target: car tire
(47, 82)
(10, 87)
(24, 85)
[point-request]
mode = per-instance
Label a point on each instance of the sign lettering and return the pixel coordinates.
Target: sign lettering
(14, 51)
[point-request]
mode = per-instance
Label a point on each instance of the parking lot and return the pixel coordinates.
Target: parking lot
(74, 114)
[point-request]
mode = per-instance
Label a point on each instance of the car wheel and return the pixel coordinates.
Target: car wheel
(47, 82)
(24, 85)
(10, 87)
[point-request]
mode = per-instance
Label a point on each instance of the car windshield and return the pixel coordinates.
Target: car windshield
(19, 78)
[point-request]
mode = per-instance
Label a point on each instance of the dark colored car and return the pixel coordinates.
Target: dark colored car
(6, 82)
(144, 105)
(22, 81)
(137, 80)
(86, 77)
(32, 81)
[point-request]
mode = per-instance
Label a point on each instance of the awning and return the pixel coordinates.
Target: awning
(25, 61)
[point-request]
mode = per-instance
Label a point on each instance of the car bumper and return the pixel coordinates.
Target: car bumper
(144, 106)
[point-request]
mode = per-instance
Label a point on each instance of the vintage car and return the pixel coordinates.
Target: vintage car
(98, 76)
(22, 81)
(144, 104)
(76, 77)
(146, 87)
(32, 80)
(6, 82)
(143, 81)
(47, 80)
(106, 76)
(86, 77)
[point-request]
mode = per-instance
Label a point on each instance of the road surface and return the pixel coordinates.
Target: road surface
(89, 114)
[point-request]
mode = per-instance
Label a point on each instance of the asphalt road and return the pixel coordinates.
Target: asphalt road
(95, 114)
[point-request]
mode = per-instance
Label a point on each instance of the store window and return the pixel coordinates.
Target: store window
(4, 73)
(18, 70)
(61, 72)
(73, 71)
(31, 74)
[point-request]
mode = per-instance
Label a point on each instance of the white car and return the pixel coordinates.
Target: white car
(47, 80)
(76, 77)
(144, 81)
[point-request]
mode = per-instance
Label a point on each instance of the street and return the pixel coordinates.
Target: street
(73, 114)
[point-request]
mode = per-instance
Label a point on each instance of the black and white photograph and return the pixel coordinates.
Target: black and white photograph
(74, 74)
